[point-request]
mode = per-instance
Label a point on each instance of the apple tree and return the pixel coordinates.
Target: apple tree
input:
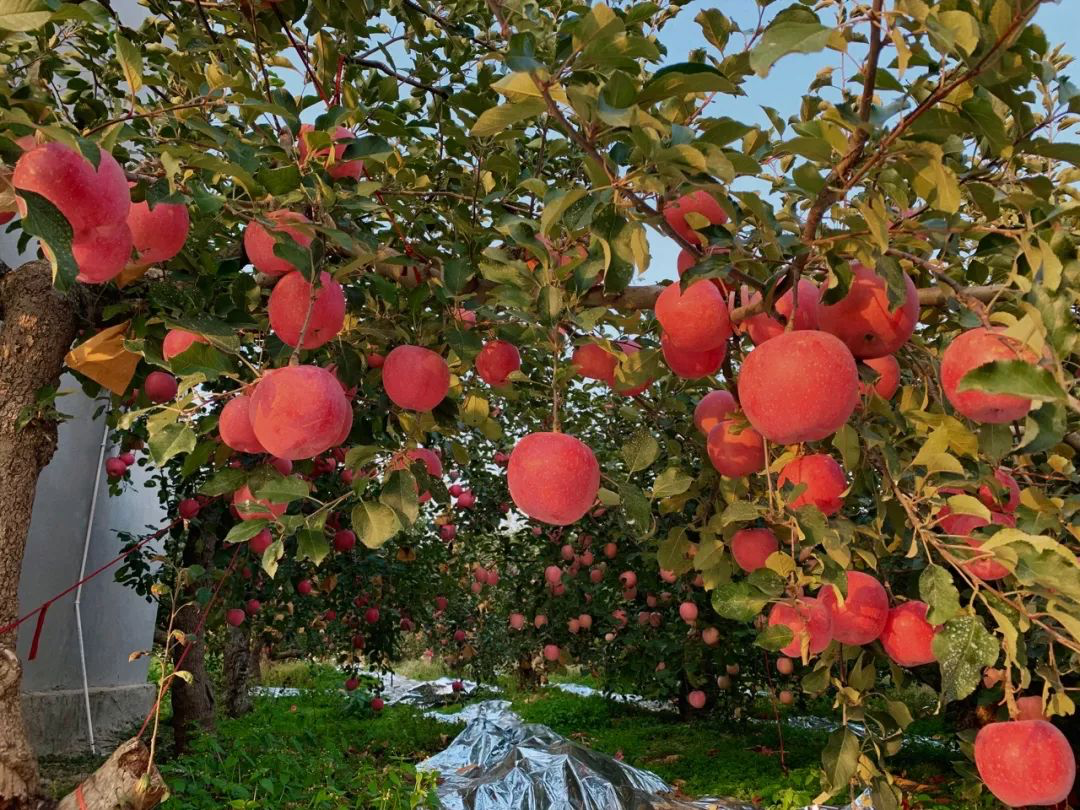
(317, 235)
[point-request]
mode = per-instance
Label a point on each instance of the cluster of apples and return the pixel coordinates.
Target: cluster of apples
(109, 232)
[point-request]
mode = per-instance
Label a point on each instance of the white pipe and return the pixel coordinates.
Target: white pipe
(78, 591)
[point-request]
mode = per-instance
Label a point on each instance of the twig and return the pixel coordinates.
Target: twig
(131, 116)
(401, 77)
(301, 52)
(640, 202)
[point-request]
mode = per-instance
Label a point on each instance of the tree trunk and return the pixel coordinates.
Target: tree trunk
(238, 665)
(37, 326)
(119, 783)
(192, 703)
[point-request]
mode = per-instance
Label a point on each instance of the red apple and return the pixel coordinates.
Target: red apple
(694, 320)
(864, 612)
(298, 411)
(712, 409)
(1025, 762)
(975, 348)
(160, 386)
(763, 326)
(697, 202)
(259, 242)
(908, 637)
(865, 320)
(415, 378)
(751, 548)
(291, 306)
(735, 449)
(808, 620)
(824, 478)
(799, 387)
(553, 477)
(497, 361)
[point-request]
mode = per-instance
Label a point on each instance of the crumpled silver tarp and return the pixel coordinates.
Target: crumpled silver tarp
(500, 763)
(425, 694)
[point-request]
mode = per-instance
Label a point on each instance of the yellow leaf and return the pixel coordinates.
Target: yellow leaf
(517, 86)
(104, 359)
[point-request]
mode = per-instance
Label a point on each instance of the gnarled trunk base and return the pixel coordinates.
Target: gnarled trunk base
(126, 780)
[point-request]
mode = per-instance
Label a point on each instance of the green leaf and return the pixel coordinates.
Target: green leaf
(640, 451)
(936, 588)
(774, 637)
(399, 493)
(131, 62)
(281, 488)
(840, 757)
(44, 220)
(245, 530)
(963, 27)
(963, 649)
(636, 508)
(684, 78)
(673, 552)
(739, 601)
(787, 37)
(1069, 152)
(202, 358)
(715, 26)
(1045, 427)
(494, 120)
(281, 180)
(170, 441)
(556, 205)
(375, 523)
(360, 455)
(671, 481)
(23, 15)
(311, 544)
(740, 512)
(1016, 377)
(224, 482)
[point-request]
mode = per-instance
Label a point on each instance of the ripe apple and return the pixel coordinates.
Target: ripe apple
(799, 387)
(1025, 762)
(908, 637)
(694, 320)
(808, 620)
(553, 477)
(291, 306)
(713, 408)
(865, 320)
(259, 242)
(763, 326)
(735, 449)
(751, 548)
(824, 478)
(865, 609)
(415, 378)
(298, 412)
(497, 361)
(178, 341)
(967, 352)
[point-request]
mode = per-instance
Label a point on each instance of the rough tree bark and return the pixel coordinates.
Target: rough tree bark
(238, 665)
(192, 702)
(37, 326)
(120, 783)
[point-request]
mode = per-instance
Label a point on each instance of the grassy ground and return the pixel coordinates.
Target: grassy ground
(327, 750)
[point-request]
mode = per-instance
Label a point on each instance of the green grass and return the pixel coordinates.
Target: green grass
(321, 750)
